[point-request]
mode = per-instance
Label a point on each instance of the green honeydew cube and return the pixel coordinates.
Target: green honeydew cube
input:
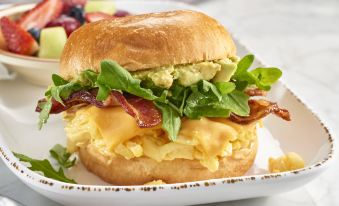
(52, 42)
(107, 7)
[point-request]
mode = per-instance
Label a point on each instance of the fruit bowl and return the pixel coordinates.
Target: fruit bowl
(34, 34)
(33, 69)
(37, 70)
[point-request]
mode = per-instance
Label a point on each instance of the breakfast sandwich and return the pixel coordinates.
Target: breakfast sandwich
(160, 96)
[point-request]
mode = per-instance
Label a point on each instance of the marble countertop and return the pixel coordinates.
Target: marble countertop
(302, 38)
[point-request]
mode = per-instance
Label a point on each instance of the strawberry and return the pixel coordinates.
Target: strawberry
(96, 16)
(41, 14)
(68, 4)
(17, 39)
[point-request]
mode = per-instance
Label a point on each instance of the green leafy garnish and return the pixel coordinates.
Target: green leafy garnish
(225, 87)
(88, 78)
(266, 76)
(236, 102)
(263, 78)
(200, 105)
(45, 167)
(207, 105)
(206, 87)
(44, 113)
(57, 80)
(59, 153)
(171, 121)
(203, 99)
(178, 96)
(114, 77)
(243, 65)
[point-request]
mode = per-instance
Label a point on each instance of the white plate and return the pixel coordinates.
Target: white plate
(306, 135)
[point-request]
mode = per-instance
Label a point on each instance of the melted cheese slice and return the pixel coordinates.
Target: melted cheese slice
(114, 125)
(209, 137)
(114, 132)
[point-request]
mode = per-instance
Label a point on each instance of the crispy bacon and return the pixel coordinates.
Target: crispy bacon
(259, 109)
(147, 115)
(76, 98)
(144, 111)
(255, 92)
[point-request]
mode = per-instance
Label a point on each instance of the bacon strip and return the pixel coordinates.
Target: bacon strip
(76, 98)
(144, 111)
(260, 109)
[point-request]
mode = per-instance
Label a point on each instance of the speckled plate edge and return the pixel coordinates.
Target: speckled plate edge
(34, 178)
(22, 172)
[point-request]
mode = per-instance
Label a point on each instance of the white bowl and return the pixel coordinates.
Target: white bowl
(36, 70)
(306, 135)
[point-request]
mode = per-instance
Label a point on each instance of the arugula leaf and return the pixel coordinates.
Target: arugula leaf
(161, 93)
(243, 65)
(114, 77)
(45, 167)
(171, 121)
(263, 78)
(55, 93)
(237, 102)
(163, 97)
(267, 76)
(204, 105)
(178, 96)
(183, 101)
(88, 78)
(103, 91)
(63, 91)
(149, 84)
(58, 80)
(59, 153)
(44, 114)
(225, 87)
(201, 104)
(206, 86)
(240, 85)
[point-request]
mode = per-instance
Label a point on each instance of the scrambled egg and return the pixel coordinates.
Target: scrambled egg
(114, 132)
(288, 162)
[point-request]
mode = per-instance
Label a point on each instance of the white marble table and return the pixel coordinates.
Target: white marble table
(302, 38)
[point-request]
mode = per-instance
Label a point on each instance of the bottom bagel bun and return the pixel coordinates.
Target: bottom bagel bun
(140, 170)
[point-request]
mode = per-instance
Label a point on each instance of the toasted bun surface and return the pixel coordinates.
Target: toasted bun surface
(137, 171)
(146, 41)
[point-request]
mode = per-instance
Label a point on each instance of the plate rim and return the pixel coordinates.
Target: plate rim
(37, 180)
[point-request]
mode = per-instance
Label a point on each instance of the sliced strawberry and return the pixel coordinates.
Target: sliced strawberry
(96, 16)
(17, 39)
(68, 4)
(41, 14)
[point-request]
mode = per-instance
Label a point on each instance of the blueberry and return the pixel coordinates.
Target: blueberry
(78, 13)
(35, 32)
